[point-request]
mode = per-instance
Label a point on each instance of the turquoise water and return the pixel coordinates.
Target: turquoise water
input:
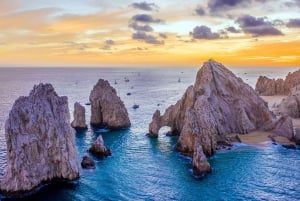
(148, 169)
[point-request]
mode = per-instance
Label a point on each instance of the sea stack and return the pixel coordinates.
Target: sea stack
(40, 142)
(219, 103)
(107, 109)
(79, 117)
(270, 87)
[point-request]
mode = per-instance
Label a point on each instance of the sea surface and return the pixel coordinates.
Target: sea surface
(149, 169)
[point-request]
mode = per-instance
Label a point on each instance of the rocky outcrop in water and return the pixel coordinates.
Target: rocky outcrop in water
(270, 87)
(87, 163)
(98, 148)
(200, 164)
(40, 141)
(107, 109)
(219, 103)
(79, 117)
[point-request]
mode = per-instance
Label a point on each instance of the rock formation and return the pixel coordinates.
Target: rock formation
(87, 163)
(79, 117)
(107, 109)
(270, 87)
(200, 164)
(40, 142)
(98, 148)
(219, 103)
(290, 106)
(297, 136)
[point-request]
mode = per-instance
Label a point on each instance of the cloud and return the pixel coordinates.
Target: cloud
(257, 26)
(232, 29)
(293, 23)
(74, 45)
(203, 32)
(162, 35)
(146, 38)
(145, 6)
(107, 44)
(224, 5)
(200, 11)
(135, 26)
(145, 18)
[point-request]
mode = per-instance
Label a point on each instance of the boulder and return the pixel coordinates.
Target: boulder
(281, 127)
(79, 117)
(290, 106)
(270, 87)
(200, 164)
(40, 142)
(98, 148)
(87, 163)
(218, 104)
(107, 109)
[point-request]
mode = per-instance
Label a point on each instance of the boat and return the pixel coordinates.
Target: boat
(135, 106)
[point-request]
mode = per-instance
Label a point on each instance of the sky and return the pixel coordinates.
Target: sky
(149, 33)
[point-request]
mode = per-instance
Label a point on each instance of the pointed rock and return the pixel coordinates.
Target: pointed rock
(107, 109)
(200, 164)
(40, 142)
(98, 148)
(79, 117)
(219, 103)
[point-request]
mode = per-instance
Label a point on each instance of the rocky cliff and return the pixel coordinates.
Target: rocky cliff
(107, 109)
(79, 117)
(270, 87)
(219, 103)
(40, 141)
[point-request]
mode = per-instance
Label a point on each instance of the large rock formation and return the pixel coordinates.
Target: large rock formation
(290, 106)
(98, 148)
(219, 103)
(107, 109)
(40, 141)
(269, 87)
(79, 117)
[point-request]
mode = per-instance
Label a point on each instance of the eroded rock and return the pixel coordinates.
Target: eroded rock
(270, 87)
(107, 109)
(98, 148)
(40, 141)
(79, 117)
(219, 103)
(200, 164)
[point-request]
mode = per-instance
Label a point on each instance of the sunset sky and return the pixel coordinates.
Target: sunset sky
(149, 33)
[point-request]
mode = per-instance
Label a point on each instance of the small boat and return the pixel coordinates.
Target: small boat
(135, 106)
(88, 104)
(128, 94)
(126, 79)
(116, 82)
(179, 80)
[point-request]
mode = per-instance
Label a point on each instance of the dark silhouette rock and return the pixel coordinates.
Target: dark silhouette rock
(87, 163)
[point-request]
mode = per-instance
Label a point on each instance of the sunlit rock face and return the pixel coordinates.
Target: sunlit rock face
(107, 109)
(270, 87)
(79, 117)
(219, 103)
(40, 141)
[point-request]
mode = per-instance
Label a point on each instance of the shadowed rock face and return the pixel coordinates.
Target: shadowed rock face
(270, 87)
(40, 141)
(98, 148)
(107, 109)
(79, 117)
(219, 103)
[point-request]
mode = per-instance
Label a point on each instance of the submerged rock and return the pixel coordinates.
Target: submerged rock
(79, 117)
(219, 103)
(270, 87)
(87, 163)
(40, 141)
(107, 109)
(98, 148)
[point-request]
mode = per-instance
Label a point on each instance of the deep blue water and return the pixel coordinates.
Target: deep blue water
(148, 169)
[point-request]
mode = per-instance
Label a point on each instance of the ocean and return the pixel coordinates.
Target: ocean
(141, 168)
